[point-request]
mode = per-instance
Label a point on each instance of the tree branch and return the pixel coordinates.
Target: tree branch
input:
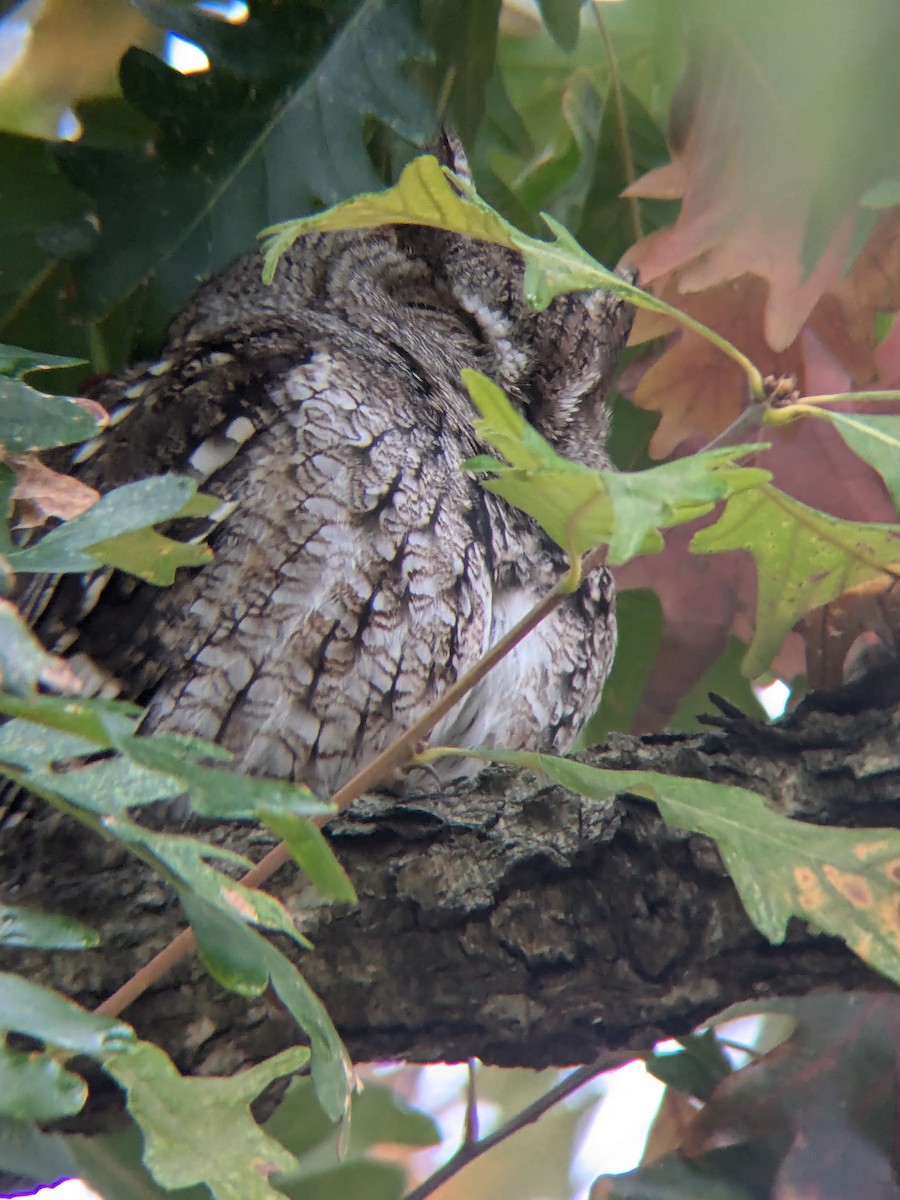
(507, 920)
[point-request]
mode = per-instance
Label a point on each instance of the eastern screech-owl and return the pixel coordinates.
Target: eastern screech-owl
(360, 570)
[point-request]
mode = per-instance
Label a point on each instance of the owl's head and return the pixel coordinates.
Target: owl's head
(556, 364)
(442, 301)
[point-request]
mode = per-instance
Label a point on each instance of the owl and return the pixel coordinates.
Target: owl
(359, 570)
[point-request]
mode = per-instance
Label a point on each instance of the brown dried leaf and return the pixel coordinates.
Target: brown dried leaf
(41, 493)
(696, 387)
(887, 358)
(820, 1105)
(858, 630)
(705, 599)
(670, 1125)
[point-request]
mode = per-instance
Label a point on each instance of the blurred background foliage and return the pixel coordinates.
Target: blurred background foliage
(741, 154)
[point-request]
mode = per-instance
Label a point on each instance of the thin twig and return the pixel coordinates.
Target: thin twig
(469, 1151)
(752, 1053)
(392, 758)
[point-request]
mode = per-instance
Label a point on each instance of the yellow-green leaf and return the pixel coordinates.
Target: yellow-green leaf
(580, 507)
(424, 195)
(201, 1130)
(149, 555)
(803, 559)
(875, 438)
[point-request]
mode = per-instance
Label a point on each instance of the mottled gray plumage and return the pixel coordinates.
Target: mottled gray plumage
(361, 570)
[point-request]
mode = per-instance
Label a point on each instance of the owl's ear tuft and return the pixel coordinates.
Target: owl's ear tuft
(447, 148)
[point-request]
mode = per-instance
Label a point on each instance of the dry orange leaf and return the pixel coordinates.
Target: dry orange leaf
(41, 493)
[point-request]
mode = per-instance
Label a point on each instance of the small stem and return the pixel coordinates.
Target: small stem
(393, 757)
(634, 208)
(470, 1129)
(443, 99)
(844, 397)
(748, 423)
(469, 1151)
(99, 351)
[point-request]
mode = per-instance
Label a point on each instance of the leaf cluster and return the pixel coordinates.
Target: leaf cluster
(300, 109)
(803, 558)
(85, 758)
(811, 1114)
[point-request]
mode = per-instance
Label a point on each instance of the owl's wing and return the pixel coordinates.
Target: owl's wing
(350, 584)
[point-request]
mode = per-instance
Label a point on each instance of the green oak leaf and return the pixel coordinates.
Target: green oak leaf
(424, 195)
(841, 881)
(804, 559)
(875, 438)
(33, 420)
(580, 507)
(201, 1130)
(44, 931)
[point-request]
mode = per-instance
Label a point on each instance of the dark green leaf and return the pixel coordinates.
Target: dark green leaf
(630, 144)
(132, 506)
(351, 1181)
(563, 19)
(331, 1071)
(225, 160)
(216, 793)
(16, 362)
(108, 787)
(234, 952)
(696, 1069)
(724, 678)
(32, 420)
(30, 1008)
(89, 724)
(640, 621)
(185, 857)
(300, 1123)
(312, 854)
(558, 177)
(35, 199)
(38, 1156)
(463, 34)
(238, 963)
(35, 1087)
(43, 931)
(378, 1117)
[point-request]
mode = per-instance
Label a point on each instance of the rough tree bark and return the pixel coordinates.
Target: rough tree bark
(510, 920)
